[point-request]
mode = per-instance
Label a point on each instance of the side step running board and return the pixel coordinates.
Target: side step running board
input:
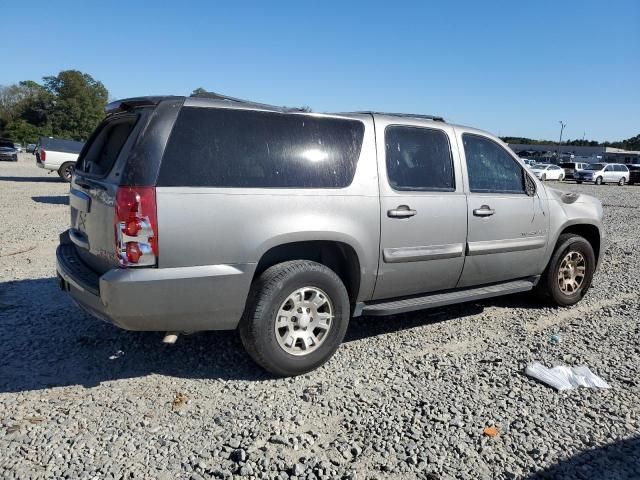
(433, 300)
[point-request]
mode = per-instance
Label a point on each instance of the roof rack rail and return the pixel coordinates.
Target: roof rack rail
(435, 118)
(219, 96)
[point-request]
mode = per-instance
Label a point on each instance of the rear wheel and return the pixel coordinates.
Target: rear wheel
(543, 177)
(570, 271)
(296, 316)
(599, 181)
(66, 171)
(578, 181)
(621, 181)
(561, 178)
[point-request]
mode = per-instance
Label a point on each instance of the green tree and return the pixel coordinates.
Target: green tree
(78, 104)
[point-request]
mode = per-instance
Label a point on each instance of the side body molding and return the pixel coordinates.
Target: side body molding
(418, 254)
(506, 245)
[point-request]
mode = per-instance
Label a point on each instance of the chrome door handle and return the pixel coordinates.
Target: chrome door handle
(484, 211)
(403, 211)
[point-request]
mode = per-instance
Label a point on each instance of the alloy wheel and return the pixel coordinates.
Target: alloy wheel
(571, 272)
(303, 321)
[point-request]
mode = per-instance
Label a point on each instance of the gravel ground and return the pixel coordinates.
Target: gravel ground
(404, 397)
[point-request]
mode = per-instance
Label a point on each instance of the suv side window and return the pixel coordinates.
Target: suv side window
(490, 168)
(218, 147)
(418, 159)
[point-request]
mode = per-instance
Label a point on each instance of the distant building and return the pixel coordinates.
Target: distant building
(548, 153)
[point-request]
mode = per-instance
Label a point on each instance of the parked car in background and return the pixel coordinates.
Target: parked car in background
(58, 155)
(529, 162)
(600, 173)
(31, 148)
(547, 171)
(284, 224)
(571, 167)
(18, 147)
(8, 151)
(634, 173)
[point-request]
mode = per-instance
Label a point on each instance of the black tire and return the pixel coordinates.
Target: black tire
(549, 286)
(543, 177)
(66, 171)
(621, 181)
(578, 182)
(267, 294)
(561, 178)
(598, 181)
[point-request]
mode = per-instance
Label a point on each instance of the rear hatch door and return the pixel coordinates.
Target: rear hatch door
(94, 186)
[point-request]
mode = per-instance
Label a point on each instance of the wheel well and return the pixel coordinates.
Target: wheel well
(339, 257)
(590, 233)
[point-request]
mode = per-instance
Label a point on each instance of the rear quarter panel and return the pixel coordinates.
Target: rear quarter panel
(236, 226)
(56, 159)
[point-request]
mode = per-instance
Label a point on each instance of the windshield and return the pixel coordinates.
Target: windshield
(540, 166)
(595, 166)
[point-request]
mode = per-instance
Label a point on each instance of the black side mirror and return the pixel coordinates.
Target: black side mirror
(529, 185)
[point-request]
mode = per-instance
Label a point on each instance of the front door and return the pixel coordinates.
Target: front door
(508, 228)
(424, 208)
(610, 175)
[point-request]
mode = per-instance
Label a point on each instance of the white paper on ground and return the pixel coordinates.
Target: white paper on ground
(565, 378)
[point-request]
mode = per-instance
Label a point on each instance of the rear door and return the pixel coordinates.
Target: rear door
(508, 228)
(93, 190)
(423, 208)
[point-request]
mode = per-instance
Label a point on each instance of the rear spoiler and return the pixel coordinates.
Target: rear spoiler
(131, 103)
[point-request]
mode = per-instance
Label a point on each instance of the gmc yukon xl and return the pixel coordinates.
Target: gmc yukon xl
(191, 214)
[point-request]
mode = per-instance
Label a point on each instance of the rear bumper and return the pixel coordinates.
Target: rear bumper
(184, 299)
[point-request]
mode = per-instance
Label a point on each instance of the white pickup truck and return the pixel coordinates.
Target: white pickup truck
(59, 155)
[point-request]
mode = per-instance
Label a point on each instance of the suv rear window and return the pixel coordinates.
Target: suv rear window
(105, 145)
(211, 147)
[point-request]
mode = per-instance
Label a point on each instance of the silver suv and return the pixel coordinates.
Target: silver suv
(192, 214)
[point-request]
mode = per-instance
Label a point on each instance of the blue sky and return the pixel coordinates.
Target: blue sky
(513, 68)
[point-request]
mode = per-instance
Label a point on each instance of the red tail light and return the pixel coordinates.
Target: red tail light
(136, 226)
(43, 154)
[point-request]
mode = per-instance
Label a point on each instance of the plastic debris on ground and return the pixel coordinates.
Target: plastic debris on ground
(117, 355)
(565, 378)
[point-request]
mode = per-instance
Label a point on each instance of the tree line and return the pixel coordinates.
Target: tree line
(632, 143)
(69, 105)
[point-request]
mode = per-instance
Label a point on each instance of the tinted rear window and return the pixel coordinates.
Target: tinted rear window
(212, 147)
(105, 145)
(418, 159)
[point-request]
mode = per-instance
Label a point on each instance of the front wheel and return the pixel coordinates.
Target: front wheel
(599, 181)
(66, 171)
(621, 181)
(543, 177)
(578, 182)
(296, 316)
(570, 271)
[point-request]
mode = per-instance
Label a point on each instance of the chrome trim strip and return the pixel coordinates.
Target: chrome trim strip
(504, 246)
(419, 254)
(79, 200)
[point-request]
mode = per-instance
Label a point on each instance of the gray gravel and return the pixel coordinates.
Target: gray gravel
(404, 397)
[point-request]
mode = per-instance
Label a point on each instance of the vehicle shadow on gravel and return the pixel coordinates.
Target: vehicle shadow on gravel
(49, 342)
(52, 199)
(619, 460)
(55, 179)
